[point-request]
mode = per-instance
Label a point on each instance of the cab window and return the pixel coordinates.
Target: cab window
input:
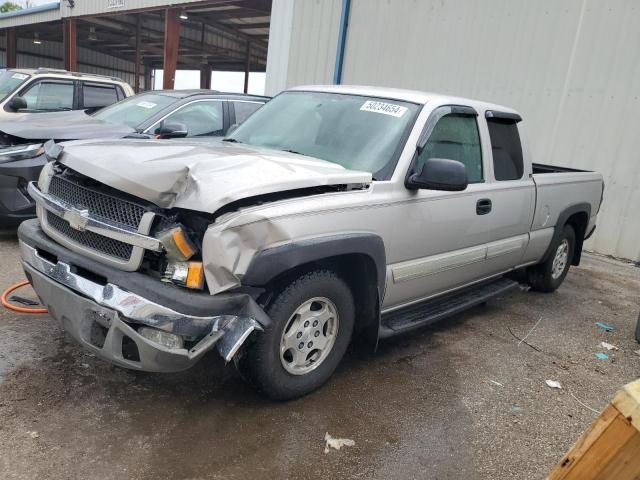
(455, 137)
(244, 109)
(49, 95)
(506, 149)
(204, 118)
(96, 95)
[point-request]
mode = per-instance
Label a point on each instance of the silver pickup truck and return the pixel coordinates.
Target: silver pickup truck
(332, 214)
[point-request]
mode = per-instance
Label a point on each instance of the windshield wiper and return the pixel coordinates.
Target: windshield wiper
(293, 151)
(231, 140)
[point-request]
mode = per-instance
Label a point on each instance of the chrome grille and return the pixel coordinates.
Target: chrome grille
(106, 206)
(107, 246)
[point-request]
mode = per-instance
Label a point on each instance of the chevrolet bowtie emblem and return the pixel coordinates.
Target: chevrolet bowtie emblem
(77, 219)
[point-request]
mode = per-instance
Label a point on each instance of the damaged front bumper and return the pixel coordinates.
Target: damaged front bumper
(105, 318)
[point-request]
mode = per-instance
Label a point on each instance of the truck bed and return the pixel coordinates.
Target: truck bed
(561, 188)
(542, 168)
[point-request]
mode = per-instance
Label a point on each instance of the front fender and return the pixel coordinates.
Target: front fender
(268, 264)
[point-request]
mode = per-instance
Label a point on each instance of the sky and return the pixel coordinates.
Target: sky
(232, 82)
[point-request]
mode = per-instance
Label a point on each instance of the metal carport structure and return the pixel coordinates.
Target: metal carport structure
(131, 38)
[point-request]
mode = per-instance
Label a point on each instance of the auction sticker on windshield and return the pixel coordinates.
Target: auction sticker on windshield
(384, 108)
(19, 76)
(146, 104)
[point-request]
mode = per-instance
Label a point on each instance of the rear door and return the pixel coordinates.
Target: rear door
(512, 194)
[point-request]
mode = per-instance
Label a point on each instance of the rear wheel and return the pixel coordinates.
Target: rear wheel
(547, 276)
(313, 319)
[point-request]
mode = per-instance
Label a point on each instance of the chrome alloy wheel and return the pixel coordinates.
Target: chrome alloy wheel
(560, 260)
(309, 336)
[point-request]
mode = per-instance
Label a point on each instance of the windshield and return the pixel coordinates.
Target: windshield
(136, 110)
(10, 81)
(359, 133)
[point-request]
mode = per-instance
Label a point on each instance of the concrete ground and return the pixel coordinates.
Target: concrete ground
(463, 399)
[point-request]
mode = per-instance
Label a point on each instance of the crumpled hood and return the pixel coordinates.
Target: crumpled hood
(200, 176)
(74, 125)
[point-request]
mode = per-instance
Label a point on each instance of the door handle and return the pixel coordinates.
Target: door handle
(483, 206)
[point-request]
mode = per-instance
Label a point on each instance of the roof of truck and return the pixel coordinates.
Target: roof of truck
(414, 96)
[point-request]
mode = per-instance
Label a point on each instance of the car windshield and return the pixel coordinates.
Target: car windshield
(357, 132)
(135, 110)
(10, 81)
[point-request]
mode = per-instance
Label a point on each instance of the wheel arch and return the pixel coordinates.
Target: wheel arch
(577, 216)
(354, 257)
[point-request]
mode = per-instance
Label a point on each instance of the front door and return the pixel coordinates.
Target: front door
(443, 244)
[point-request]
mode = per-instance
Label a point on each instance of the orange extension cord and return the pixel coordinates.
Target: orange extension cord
(15, 308)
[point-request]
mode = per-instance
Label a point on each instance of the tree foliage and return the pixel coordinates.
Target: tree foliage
(9, 7)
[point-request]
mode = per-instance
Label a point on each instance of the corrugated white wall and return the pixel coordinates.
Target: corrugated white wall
(571, 67)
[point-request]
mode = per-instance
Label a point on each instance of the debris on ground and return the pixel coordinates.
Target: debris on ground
(604, 326)
(336, 443)
(530, 331)
(637, 352)
(33, 434)
(24, 301)
(496, 383)
(608, 346)
(602, 356)
(553, 383)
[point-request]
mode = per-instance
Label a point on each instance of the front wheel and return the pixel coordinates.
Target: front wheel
(547, 276)
(313, 319)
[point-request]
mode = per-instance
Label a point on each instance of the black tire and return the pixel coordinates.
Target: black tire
(260, 362)
(541, 276)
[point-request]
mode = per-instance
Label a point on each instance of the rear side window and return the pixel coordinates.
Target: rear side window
(506, 149)
(244, 109)
(95, 95)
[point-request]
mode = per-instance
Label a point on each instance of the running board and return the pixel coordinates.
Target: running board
(429, 311)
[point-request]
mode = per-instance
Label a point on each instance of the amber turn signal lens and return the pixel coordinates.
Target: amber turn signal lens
(185, 274)
(182, 243)
(177, 244)
(195, 276)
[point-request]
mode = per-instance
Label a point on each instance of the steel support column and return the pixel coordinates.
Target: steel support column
(247, 67)
(148, 70)
(11, 45)
(171, 45)
(70, 44)
(136, 87)
(205, 76)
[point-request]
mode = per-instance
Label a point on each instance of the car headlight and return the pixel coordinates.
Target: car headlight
(21, 152)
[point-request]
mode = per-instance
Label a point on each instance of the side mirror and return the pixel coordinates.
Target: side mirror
(172, 130)
(17, 103)
(440, 174)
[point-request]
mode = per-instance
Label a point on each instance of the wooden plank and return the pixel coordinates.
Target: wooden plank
(627, 401)
(625, 464)
(603, 450)
(583, 444)
(610, 448)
